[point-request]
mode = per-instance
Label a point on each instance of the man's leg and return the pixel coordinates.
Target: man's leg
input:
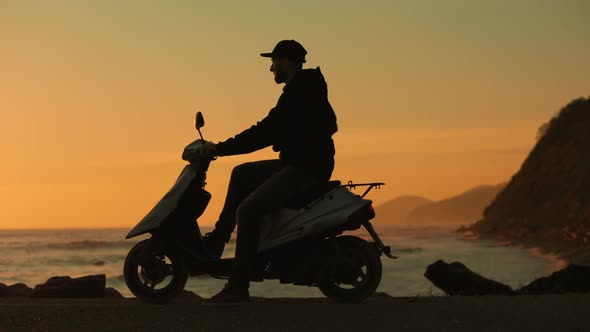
(245, 178)
(271, 195)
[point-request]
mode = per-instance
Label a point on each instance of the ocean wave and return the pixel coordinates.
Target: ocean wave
(408, 250)
(4, 262)
(86, 261)
(117, 278)
(69, 245)
(89, 244)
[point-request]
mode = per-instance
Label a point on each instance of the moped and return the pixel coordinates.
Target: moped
(300, 244)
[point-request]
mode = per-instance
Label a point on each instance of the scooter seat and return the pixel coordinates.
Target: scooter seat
(315, 193)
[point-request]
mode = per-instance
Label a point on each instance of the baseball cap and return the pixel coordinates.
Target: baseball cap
(289, 49)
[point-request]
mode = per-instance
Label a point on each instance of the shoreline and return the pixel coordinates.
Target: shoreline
(548, 263)
(561, 250)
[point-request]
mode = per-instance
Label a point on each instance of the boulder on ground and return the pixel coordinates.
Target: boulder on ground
(189, 294)
(112, 293)
(572, 279)
(456, 279)
(19, 290)
(66, 287)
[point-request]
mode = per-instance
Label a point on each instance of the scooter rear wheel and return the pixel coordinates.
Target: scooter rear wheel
(152, 275)
(365, 279)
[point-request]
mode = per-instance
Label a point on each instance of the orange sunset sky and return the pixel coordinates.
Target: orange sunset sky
(97, 98)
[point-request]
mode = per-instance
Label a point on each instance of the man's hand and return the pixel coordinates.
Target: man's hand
(209, 150)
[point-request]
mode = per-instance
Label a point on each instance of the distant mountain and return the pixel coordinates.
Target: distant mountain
(464, 208)
(397, 209)
(547, 202)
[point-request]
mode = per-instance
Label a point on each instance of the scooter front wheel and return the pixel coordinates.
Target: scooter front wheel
(152, 275)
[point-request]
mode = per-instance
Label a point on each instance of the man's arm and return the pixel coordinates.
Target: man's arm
(259, 136)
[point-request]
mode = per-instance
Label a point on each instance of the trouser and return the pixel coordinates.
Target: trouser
(256, 189)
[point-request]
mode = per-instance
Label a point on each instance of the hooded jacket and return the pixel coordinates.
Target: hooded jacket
(299, 127)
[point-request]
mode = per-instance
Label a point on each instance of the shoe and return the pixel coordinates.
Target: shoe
(213, 245)
(230, 295)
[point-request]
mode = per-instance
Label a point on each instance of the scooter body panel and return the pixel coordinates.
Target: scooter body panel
(333, 209)
(166, 205)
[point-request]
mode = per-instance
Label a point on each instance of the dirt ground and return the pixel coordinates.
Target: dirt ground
(380, 313)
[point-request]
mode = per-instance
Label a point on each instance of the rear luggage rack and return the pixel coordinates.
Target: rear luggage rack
(371, 185)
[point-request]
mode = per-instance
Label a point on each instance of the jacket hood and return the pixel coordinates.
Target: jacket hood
(311, 79)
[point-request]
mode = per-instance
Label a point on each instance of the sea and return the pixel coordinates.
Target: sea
(33, 256)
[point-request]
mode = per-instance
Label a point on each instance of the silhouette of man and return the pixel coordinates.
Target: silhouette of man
(300, 128)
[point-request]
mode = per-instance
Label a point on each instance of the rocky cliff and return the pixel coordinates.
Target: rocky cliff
(547, 202)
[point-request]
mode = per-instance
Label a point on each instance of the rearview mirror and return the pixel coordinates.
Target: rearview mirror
(199, 121)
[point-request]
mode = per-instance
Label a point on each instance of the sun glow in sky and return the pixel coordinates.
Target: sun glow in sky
(97, 98)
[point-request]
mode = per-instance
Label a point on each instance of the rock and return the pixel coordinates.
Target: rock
(572, 279)
(56, 281)
(111, 293)
(456, 279)
(19, 290)
(66, 287)
(189, 294)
